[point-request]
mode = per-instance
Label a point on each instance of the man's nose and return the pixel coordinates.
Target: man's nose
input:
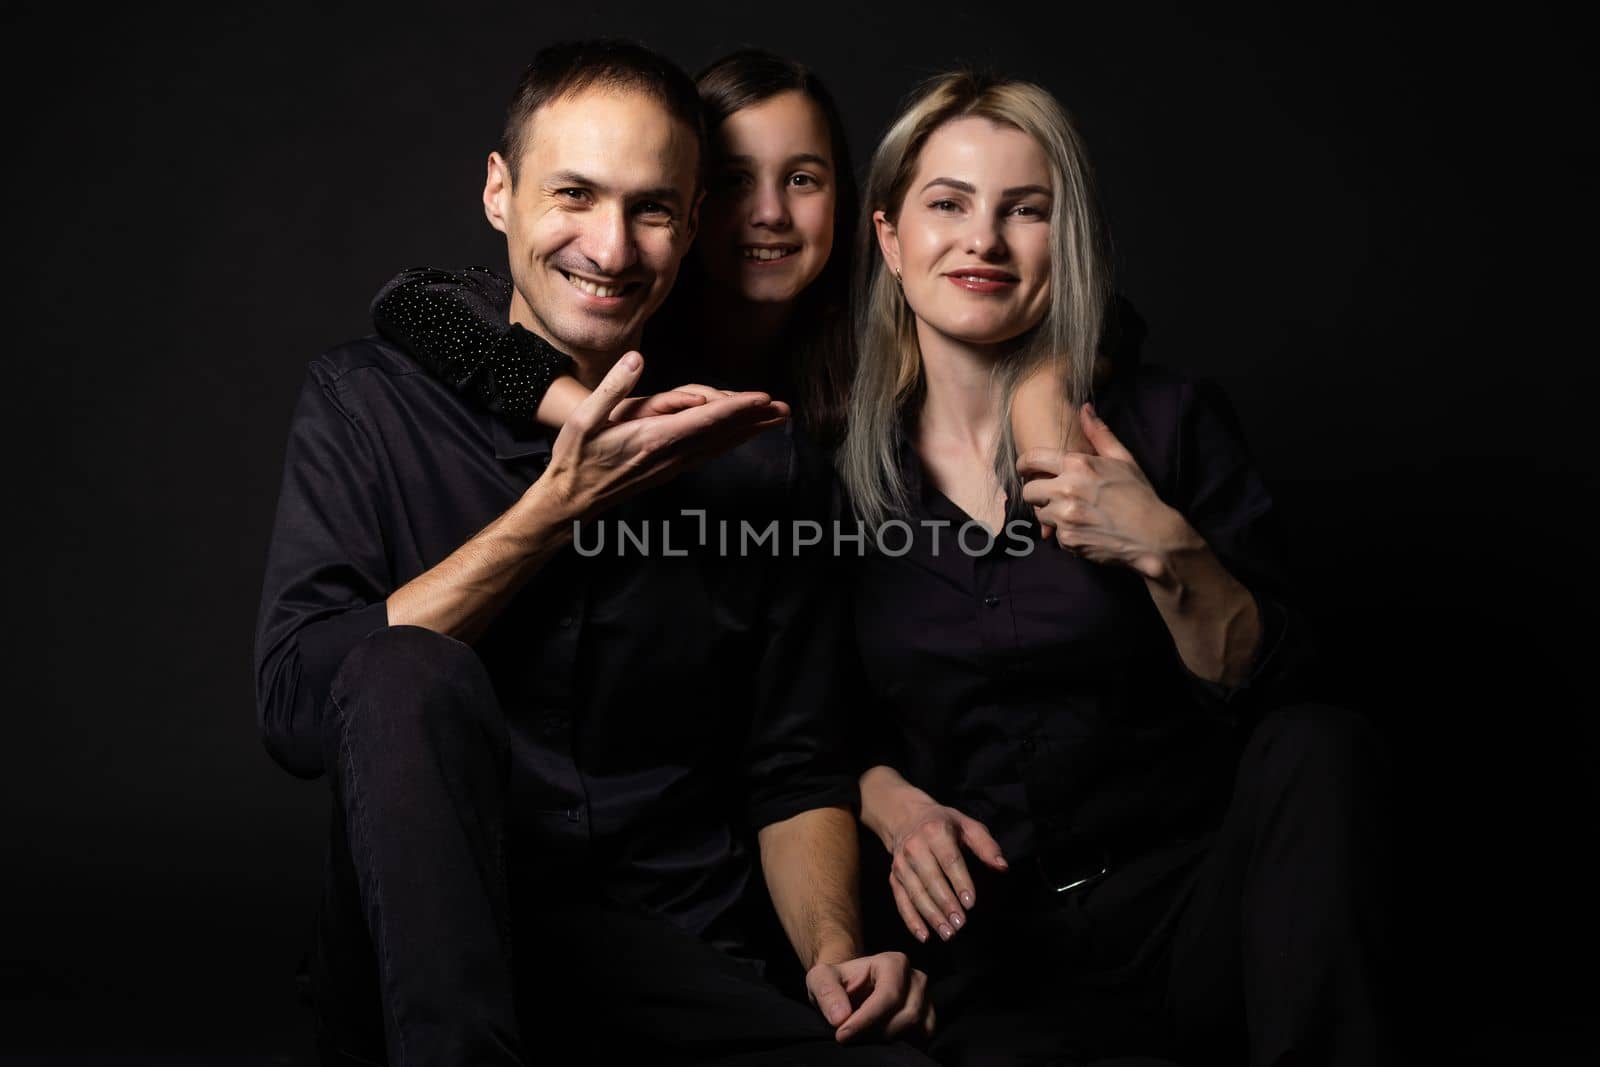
(770, 208)
(608, 241)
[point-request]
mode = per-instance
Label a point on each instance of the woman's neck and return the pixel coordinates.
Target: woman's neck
(961, 401)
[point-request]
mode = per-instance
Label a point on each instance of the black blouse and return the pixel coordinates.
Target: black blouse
(1042, 693)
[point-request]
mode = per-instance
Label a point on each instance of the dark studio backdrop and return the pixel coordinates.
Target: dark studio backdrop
(1372, 226)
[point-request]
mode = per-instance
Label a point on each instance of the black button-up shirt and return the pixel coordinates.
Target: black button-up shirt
(1042, 693)
(661, 707)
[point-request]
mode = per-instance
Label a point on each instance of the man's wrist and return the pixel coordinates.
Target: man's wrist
(546, 513)
(836, 946)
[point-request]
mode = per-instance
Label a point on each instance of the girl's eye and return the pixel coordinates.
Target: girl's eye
(802, 179)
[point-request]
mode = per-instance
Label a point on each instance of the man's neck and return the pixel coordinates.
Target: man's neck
(591, 365)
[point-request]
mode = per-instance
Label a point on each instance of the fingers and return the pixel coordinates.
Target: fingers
(890, 976)
(826, 989)
(908, 911)
(915, 1018)
(1040, 462)
(612, 390)
(659, 404)
(913, 880)
(1100, 436)
(976, 837)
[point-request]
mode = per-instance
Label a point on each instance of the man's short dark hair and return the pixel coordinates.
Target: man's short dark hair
(605, 63)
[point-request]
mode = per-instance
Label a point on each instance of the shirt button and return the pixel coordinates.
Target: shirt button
(991, 600)
(567, 622)
(1027, 744)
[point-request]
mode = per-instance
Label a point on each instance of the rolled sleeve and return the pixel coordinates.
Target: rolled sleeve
(1225, 499)
(326, 577)
(797, 758)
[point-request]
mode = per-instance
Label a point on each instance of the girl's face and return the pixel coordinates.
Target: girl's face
(972, 240)
(766, 225)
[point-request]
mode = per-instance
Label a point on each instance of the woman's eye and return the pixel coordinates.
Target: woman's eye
(803, 180)
(1029, 211)
(943, 205)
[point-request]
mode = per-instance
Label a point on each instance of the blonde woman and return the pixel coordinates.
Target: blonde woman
(1108, 829)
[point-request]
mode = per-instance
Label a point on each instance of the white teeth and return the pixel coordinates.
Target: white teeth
(768, 253)
(592, 289)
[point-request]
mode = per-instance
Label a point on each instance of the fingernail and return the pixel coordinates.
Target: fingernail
(1001, 860)
(631, 361)
(955, 919)
(922, 935)
(844, 1032)
(946, 933)
(966, 898)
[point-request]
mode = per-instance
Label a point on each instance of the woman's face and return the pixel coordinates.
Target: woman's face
(972, 240)
(766, 226)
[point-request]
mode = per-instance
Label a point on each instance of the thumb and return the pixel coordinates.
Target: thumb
(827, 991)
(1100, 436)
(613, 388)
(982, 844)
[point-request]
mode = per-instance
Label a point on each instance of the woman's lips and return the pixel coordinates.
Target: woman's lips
(983, 280)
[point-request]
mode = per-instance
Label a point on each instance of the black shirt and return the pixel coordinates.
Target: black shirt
(1041, 693)
(661, 708)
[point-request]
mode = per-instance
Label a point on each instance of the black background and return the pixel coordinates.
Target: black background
(1374, 227)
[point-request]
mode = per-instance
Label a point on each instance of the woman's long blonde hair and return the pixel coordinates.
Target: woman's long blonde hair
(888, 376)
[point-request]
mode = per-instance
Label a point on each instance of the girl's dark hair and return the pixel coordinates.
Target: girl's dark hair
(817, 360)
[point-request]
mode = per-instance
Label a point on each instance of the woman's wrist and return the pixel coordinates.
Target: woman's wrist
(888, 801)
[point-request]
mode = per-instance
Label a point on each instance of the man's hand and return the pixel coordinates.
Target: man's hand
(598, 460)
(872, 996)
(667, 403)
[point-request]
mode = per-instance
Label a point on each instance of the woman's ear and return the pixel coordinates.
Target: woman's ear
(888, 240)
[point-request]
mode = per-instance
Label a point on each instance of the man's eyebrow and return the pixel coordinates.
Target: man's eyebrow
(792, 161)
(564, 178)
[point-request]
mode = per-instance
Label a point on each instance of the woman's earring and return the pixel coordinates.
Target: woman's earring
(899, 280)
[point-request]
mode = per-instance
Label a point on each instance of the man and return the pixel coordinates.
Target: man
(545, 765)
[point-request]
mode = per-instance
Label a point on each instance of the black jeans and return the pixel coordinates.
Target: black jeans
(424, 954)
(1259, 944)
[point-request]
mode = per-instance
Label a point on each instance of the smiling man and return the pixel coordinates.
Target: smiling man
(554, 777)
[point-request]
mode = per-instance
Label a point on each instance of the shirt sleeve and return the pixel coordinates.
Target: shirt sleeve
(797, 757)
(454, 324)
(1224, 498)
(326, 576)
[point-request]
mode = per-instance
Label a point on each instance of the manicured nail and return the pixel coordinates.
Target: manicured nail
(946, 933)
(956, 920)
(922, 935)
(966, 898)
(1001, 860)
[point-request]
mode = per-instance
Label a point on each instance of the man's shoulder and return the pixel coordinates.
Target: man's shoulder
(364, 354)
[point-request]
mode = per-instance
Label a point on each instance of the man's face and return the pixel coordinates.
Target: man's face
(605, 206)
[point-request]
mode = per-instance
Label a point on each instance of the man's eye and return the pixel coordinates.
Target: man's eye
(654, 209)
(574, 194)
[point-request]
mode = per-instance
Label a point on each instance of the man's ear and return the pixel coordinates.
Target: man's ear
(497, 192)
(888, 240)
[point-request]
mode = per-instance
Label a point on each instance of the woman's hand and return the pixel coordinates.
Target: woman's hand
(928, 876)
(1101, 505)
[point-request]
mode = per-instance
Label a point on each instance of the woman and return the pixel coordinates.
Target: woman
(1163, 861)
(761, 300)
